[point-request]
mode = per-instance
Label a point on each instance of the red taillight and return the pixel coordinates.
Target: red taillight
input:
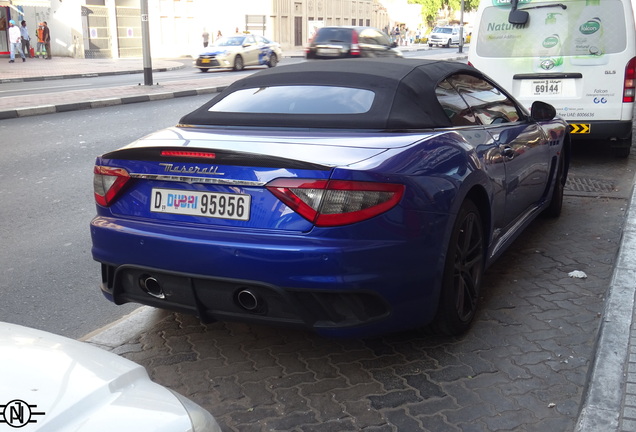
(336, 202)
(107, 183)
(355, 48)
(629, 88)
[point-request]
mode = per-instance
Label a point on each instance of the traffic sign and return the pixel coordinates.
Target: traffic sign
(580, 128)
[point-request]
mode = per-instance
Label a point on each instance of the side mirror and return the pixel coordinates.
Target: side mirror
(519, 17)
(541, 111)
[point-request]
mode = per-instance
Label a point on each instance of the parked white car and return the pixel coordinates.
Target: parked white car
(444, 36)
(52, 383)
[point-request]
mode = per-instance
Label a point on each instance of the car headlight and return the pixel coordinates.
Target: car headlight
(202, 421)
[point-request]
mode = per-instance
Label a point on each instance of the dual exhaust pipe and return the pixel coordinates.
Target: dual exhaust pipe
(245, 298)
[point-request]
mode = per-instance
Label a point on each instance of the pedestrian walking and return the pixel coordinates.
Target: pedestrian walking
(15, 42)
(40, 48)
(206, 38)
(47, 40)
(26, 39)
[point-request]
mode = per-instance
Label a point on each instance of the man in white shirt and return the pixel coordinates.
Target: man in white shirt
(15, 42)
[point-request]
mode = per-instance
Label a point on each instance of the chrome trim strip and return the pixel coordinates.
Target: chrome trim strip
(192, 179)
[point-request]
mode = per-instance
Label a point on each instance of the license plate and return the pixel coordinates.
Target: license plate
(328, 51)
(209, 204)
(205, 60)
(546, 87)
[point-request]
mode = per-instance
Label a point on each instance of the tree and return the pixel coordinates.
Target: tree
(430, 8)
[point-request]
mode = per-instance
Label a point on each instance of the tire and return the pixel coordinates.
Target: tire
(463, 273)
(553, 210)
(623, 149)
(203, 69)
(238, 63)
(448, 43)
(430, 45)
(273, 60)
(621, 152)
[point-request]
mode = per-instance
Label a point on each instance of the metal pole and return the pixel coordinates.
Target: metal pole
(145, 42)
(461, 28)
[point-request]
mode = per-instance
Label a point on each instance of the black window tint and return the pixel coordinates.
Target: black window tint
(333, 35)
(488, 103)
(454, 106)
(297, 99)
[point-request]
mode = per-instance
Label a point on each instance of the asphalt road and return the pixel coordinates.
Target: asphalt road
(48, 279)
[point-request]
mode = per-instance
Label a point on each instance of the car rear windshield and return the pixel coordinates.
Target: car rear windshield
(333, 35)
(297, 99)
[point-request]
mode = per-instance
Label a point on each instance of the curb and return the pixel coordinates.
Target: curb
(86, 75)
(101, 103)
(603, 402)
(117, 333)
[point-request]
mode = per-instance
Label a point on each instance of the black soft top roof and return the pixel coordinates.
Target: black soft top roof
(404, 94)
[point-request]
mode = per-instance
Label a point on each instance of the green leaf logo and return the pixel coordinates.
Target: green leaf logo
(550, 41)
(590, 27)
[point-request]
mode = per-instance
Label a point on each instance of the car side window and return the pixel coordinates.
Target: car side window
(372, 37)
(383, 39)
(454, 106)
(249, 40)
(490, 105)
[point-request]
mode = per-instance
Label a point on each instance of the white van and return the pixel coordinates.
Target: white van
(578, 55)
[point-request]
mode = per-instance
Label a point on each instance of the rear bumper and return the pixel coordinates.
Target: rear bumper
(215, 298)
(335, 287)
(209, 63)
(601, 130)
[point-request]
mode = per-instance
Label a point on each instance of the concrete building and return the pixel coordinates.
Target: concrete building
(112, 28)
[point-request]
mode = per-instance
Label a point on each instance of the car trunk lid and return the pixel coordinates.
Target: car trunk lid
(203, 177)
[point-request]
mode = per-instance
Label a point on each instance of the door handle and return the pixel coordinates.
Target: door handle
(508, 152)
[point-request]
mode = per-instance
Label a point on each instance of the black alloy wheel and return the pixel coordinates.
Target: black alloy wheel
(463, 272)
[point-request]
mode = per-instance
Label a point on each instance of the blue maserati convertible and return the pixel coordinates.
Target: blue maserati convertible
(349, 197)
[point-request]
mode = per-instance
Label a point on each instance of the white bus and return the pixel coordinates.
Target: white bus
(578, 55)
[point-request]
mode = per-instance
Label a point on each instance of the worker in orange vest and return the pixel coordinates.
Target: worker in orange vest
(41, 50)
